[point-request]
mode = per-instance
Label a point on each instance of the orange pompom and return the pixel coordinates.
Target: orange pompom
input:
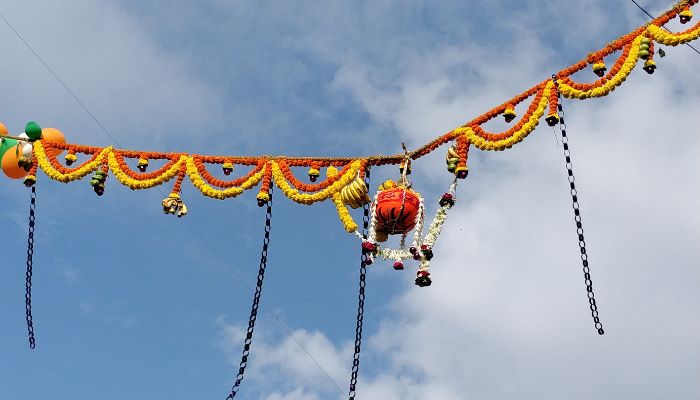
(10, 165)
(3, 130)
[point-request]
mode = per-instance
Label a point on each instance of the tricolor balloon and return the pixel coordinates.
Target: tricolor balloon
(17, 156)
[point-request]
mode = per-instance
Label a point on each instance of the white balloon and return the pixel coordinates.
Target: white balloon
(27, 150)
(23, 136)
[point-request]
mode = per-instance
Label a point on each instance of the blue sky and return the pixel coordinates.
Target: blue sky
(133, 304)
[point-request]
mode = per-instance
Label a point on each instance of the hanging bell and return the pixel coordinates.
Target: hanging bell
(227, 168)
(313, 173)
(262, 198)
(599, 68)
(552, 119)
(142, 164)
(29, 180)
(649, 66)
(509, 114)
(685, 15)
(70, 158)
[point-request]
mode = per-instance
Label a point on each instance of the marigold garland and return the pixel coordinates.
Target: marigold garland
(343, 213)
(306, 198)
(267, 169)
(127, 179)
(221, 194)
(77, 173)
(673, 39)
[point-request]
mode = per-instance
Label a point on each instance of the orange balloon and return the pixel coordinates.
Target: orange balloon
(10, 167)
(3, 129)
(52, 135)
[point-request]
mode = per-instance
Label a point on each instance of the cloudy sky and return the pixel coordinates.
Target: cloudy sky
(132, 304)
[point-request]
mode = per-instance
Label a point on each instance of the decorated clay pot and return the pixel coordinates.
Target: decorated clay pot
(396, 210)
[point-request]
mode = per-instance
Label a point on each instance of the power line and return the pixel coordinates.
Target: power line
(652, 17)
(77, 100)
(226, 262)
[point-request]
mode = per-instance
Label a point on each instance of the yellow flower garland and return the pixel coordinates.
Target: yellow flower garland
(518, 136)
(670, 39)
(343, 213)
(135, 184)
(221, 194)
(612, 83)
(310, 198)
(80, 173)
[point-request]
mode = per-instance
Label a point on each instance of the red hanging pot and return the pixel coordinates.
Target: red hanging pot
(396, 210)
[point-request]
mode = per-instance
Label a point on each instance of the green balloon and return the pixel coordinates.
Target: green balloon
(33, 130)
(6, 144)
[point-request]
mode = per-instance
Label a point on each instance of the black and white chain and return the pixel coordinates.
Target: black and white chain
(30, 263)
(577, 215)
(361, 299)
(256, 301)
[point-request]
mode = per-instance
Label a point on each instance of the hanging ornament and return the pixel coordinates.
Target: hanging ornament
(686, 15)
(649, 66)
(509, 114)
(227, 167)
(355, 194)
(70, 157)
(314, 173)
(174, 205)
(599, 68)
(142, 164)
(451, 159)
(396, 210)
(98, 182)
(644, 48)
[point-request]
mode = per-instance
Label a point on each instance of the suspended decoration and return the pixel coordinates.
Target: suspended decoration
(396, 209)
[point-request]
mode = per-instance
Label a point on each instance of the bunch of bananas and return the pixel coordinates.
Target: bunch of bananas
(355, 194)
(173, 205)
(452, 159)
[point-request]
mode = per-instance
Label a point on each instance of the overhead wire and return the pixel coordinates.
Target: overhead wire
(206, 241)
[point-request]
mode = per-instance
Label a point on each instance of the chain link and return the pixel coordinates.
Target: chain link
(256, 301)
(30, 264)
(577, 215)
(361, 299)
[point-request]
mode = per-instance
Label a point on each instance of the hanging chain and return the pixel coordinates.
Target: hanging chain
(577, 214)
(361, 298)
(30, 264)
(256, 301)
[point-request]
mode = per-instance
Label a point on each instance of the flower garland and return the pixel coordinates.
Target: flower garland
(343, 213)
(673, 39)
(221, 194)
(127, 177)
(306, 198)
(46, 164)
(297, 184)
(606, 85)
